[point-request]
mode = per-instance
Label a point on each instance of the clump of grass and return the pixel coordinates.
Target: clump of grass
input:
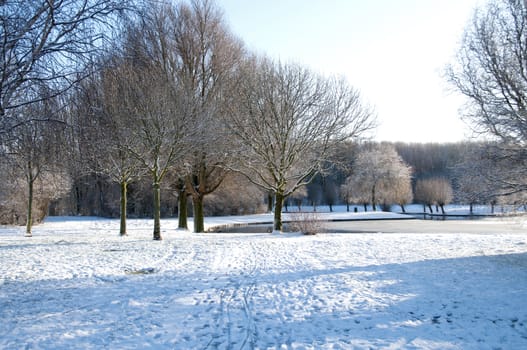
(308, 223)
(144, 271)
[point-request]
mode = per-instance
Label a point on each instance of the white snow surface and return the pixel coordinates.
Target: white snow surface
(77, 285)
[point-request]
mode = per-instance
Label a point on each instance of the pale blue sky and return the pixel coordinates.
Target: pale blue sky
(393, 51)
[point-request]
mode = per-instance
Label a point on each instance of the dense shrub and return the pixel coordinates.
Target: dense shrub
(235, 196)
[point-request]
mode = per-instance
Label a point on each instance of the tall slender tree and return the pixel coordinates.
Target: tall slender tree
(33, 148)
(102, 118)
(207, 55)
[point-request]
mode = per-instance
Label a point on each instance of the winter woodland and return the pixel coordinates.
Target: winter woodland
(123, 121)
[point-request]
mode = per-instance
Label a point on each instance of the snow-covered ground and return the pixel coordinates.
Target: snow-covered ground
(77, 285)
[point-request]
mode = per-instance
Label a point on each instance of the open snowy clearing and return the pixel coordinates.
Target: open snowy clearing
(76, 284)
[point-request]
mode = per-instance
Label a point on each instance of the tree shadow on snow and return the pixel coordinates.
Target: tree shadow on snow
(465, 303)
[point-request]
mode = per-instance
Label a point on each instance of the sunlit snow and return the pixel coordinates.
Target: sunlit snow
(77, 284)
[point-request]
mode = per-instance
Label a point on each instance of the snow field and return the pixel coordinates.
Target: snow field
(76, 284)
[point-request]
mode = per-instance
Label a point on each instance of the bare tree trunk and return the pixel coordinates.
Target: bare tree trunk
(270, 201)
(279, 203)
(157, 211)
(77, 198)
(197, 203)
(29, 219)
(182, 208)
(122, 230)
(402, 208)
(373, 205)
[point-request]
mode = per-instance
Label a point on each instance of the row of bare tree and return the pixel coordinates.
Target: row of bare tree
(439, 174)
(132, 90)
(45, 47)
(174, 95)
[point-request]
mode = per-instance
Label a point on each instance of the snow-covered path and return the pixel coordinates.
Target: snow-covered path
(75, 284)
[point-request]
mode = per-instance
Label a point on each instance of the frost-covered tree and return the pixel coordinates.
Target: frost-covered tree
(287, 121)
(400, 190)
(379, 175)
(357, 191)
(434, 191)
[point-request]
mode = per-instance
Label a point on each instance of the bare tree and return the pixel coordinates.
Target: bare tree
(287, 122)
(34, 148)
(150, 105)
(474, 176)
(161, 132)
(48, 41)
(207, 55)
(491, 70)
(106, 136)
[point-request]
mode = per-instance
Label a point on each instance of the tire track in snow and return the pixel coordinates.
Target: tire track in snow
(251, 331)
(234, 324)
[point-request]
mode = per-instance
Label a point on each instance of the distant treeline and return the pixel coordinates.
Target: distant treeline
(464, 165)
(98, 195)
